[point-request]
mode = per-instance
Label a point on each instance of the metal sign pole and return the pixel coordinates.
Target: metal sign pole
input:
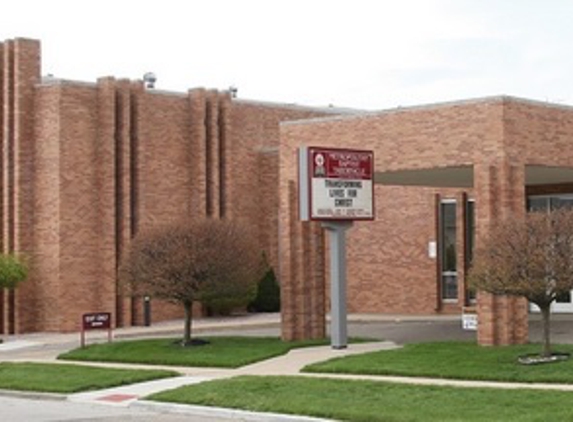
(338, 313)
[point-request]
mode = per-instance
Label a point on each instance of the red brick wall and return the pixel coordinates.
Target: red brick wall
(114, 159)
(19, 72)
(253, 166)
(71, 189)
(46, 262)
(538, 133)
(165, 187)
(95, 163)
(389, 270)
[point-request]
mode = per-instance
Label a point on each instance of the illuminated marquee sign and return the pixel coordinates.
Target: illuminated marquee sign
(336, 184)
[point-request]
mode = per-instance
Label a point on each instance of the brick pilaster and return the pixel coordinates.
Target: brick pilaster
(213, 158)
(19, 75)
(197, 146)
(302, 276)
(500, 194)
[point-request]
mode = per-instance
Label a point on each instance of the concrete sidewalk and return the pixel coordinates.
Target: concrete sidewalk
(289, 364)
(200, 325)
(207, 325)
(400, 328)
(45, 348)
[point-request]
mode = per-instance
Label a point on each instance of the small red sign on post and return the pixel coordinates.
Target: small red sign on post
(96, 321)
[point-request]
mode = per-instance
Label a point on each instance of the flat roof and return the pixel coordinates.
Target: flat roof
(446, 104)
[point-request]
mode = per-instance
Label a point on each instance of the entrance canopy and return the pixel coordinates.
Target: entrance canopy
(463, 176)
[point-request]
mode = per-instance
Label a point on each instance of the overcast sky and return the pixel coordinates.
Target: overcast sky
(358, 53)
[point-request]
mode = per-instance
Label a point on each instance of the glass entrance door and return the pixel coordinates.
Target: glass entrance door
(564, 303)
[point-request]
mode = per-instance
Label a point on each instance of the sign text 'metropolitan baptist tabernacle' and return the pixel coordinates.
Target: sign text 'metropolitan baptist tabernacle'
(341, 184)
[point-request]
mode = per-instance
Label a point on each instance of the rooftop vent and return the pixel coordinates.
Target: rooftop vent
(149, 80)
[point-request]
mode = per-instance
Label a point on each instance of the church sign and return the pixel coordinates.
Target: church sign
(336, 184)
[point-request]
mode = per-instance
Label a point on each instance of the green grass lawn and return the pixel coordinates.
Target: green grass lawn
(222, 352)
(371, 401)
(60, 378)
(457, 360)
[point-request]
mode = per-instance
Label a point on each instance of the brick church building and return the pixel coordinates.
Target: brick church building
(85, 166)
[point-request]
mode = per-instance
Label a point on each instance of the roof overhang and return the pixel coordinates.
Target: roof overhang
(545, 175)
(455, 177)
(463, 176)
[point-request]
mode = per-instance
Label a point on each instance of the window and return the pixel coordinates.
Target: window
(549, 203)
(449, 279)
(470, 228)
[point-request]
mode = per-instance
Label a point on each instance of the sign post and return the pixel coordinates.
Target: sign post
(338, 314)
(336, 187)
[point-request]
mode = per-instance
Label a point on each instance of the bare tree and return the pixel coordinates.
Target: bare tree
(530, 257)
(205, 261)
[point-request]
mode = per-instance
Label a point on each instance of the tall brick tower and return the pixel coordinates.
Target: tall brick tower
(19, 74)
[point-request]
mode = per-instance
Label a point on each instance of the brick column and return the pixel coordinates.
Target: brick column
(302, 275)
(125, 185)
(198, 151)
(500, 194)
(213, 157)
(461, 243)
(107, 213)
(19, 74)
(225, 158)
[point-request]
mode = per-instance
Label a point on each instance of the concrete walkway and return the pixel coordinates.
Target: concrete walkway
(45, 348)
(289, 364)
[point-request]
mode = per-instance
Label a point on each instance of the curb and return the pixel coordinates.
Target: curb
(177, 331)
(33, 395)
(374, 318)
(221, 412)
